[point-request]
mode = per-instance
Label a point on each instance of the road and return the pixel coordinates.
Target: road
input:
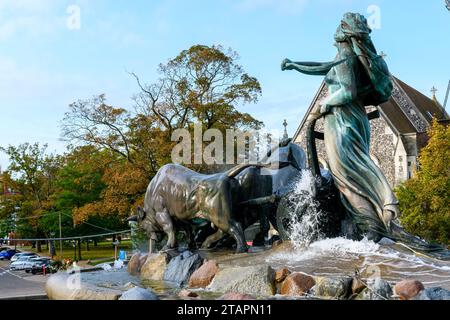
(19, 283)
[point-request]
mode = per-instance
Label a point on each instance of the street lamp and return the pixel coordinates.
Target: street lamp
(52, 244)
(115, 244)
(60, 238)
(74, 244)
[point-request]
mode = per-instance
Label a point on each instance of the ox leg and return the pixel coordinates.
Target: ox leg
(203, 233)
(151, 246)
(212, 238)
(234, 229)
(165, 221)
(264, 227)
(187, 229)
(238, 234)
(152, 243)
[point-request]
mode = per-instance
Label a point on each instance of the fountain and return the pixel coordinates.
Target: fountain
(304, 214)
(341, 238)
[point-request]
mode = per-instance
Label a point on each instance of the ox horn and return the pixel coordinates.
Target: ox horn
(132, 219)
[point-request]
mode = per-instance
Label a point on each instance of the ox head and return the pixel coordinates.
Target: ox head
(147, 223)
(138, 217)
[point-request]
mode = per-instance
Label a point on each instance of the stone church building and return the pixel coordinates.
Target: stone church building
(398, 133)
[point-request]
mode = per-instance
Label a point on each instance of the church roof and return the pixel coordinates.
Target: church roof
(424, 103)
(397, 119)
(407, 111)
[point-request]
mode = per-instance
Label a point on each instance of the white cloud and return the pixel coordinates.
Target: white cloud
(18, 82)
(26, 5)
(281, 6)
(33, 17)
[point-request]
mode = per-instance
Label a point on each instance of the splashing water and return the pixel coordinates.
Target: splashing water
(304, 213)
(313, 253)
(335, 248)
(341, 257)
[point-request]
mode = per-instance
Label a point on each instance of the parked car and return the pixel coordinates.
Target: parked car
(36, 262)
(7, 254)
(39, 265)
(21, 255)
(22, 263)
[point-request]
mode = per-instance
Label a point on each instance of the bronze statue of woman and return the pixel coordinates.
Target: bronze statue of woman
(357, 78)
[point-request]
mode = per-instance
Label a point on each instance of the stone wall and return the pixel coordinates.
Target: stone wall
(382, 148)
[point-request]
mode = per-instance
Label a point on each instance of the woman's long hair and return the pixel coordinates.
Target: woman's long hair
(355, 31)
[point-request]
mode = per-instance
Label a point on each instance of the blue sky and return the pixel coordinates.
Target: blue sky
(44, 65)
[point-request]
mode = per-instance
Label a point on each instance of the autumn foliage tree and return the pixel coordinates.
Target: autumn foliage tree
(201, 85)
(425, 199)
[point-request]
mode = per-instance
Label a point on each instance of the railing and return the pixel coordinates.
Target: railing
(76, 239)
(67, 238)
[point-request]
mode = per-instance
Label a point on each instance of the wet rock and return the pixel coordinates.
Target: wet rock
(386, 242)
(64, 286)
(365, 294)
(236, 296)
(378, 289)
(154, 267)
(337, 288)
(253, 280)
(357, 286)
(297, 284)
(180, 268)
(134, 264)
(142, 260)
(138, 294)
(282, 246)
(203, 276)
(435, 293)
(381, 288)
(281, 274)
(187, 294)
(129, 285)
(408, 289)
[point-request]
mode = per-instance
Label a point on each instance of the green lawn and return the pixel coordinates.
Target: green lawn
(103, 252)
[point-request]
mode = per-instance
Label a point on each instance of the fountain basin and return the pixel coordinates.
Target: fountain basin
(330, 258)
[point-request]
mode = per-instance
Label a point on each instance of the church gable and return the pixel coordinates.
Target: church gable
(394, 146)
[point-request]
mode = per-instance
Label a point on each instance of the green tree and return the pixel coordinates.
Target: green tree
(201, 85)
(425, 199)
(33, 175)
(9, 202)
(80, 192)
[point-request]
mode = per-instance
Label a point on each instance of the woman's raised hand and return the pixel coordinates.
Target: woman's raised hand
(285, 64)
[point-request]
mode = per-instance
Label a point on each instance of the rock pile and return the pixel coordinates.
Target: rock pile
(190, 272)
(199, 279)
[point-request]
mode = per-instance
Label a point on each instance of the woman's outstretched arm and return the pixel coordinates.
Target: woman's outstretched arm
(310, 68)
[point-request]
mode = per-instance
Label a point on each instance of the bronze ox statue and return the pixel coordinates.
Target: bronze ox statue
(177, 195)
